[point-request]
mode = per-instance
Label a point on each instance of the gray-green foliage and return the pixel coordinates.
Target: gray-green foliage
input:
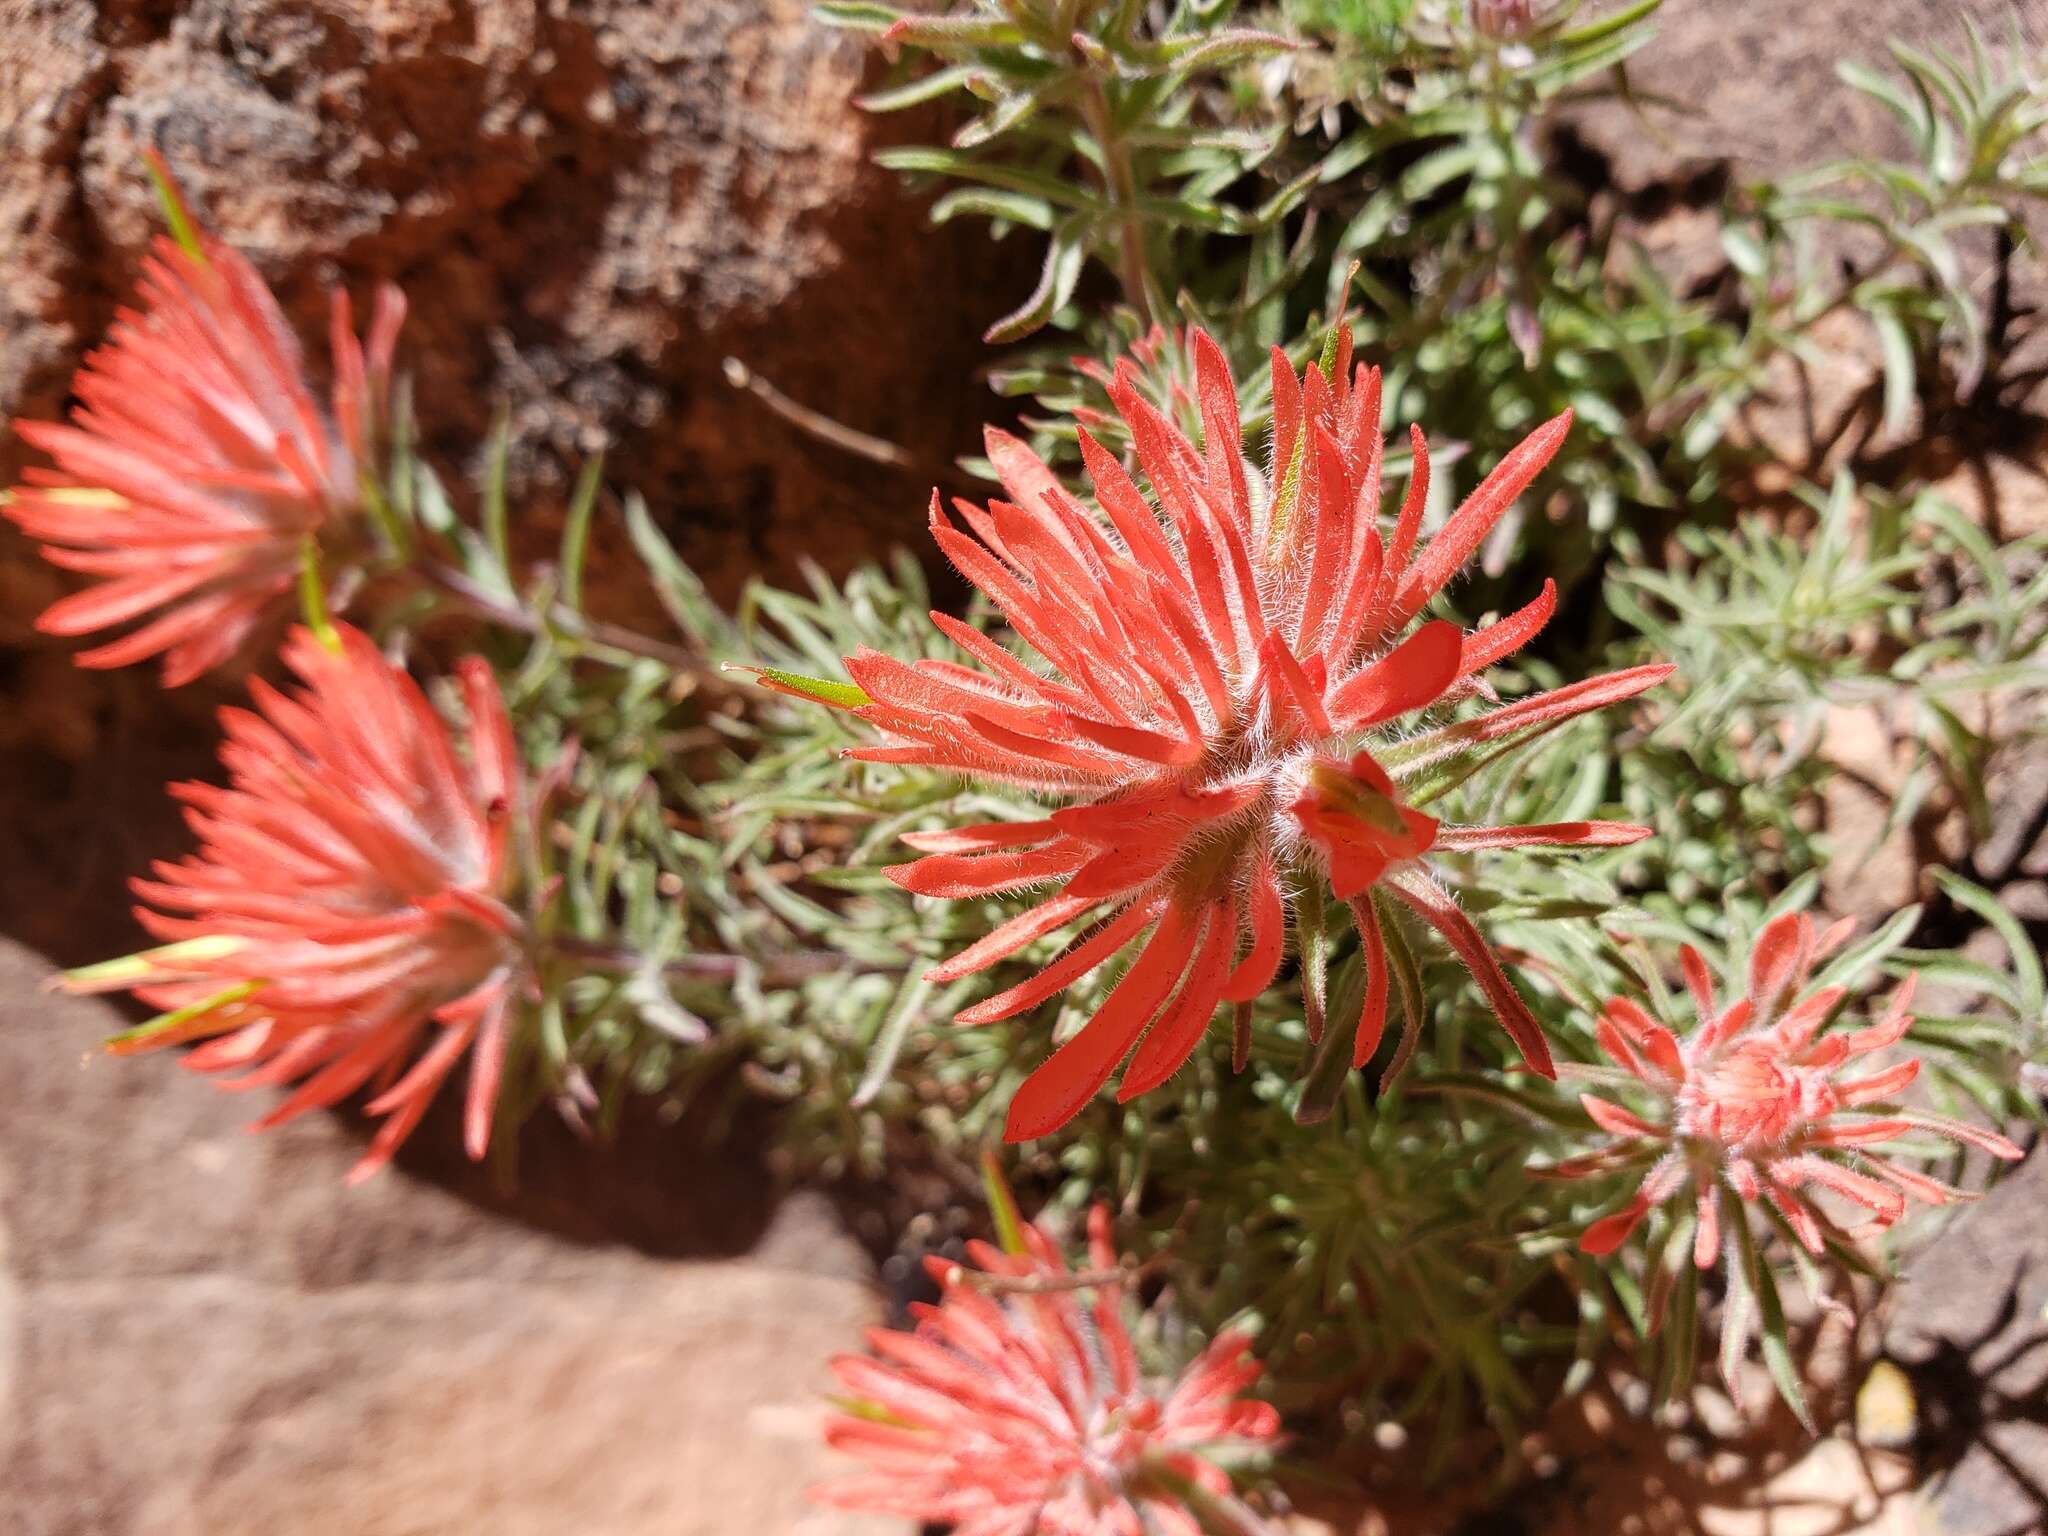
(1227, 166)
(1496, 289)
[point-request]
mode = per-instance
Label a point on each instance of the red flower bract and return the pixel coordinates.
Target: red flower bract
(197, 462)
(346, 899)
(1016, 1409)
(1229, 703)
(1754, 1103)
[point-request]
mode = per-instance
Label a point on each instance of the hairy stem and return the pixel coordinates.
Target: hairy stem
(1121, 184)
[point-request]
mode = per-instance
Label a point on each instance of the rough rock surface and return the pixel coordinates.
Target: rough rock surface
(1970, 1329)
(1758, 83)
(590, 203)
(1740, 92)
(202, 1333)
(1876, 867)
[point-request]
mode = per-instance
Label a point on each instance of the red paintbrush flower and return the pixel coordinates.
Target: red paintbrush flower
(1753, 1102)
(197, 463)
(347, 899)
(1016, 1409)
(1229, 706)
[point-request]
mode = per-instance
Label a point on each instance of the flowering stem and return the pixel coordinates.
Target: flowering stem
(816, 424)
(313, 595)
(396, 534)
(1122, 186)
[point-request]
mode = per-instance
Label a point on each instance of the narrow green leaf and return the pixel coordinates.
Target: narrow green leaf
(576, 533)
(1002, 1206)
(987, 203)
(819, 690)
(1607, 26)
(391, 528)
(916, 92)
(1216, 49)
(160, 964)
(857, 15)
(1763, 1286)
(1862, 78)
(1009, 112)
(1438, 169)
(682, 596)
(1329, 1061)
(948, 162)
(2025, 959)
(403, 427)
(1064, 257)
(1878, 947)
(437, 512)
(1407, 977)
(1745, 252)
(183, 228)
(1738, 1317)
(497, 531)
(909, 1008)
(1900, 377)
(950, 36)
(1681, 1335)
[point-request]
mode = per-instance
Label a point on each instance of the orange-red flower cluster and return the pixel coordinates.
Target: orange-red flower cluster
(1753, 1103)
(1016, 1408)
(346, 902)
(197, 462)
(1229, 704)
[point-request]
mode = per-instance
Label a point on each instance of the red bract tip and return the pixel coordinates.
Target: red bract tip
(1228, 668)
(1755, 1104)
(347, 896)
(197, 463)
(1017, 1405)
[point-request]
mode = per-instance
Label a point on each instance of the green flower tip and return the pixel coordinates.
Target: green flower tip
(1002, 1205)
(819, 690)
(171, 962)
(177, 213)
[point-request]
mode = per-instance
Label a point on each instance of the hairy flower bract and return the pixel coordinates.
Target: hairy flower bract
(1229, 708)
(197, 463)
(347, 902)
(1755, 1103)
(1017, 1408)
